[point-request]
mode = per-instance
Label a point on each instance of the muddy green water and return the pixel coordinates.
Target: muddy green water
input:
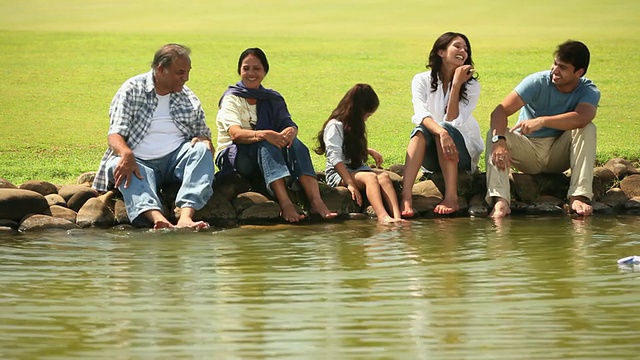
(524, 288)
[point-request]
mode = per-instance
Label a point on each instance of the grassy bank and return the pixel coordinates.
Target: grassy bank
(63, 61)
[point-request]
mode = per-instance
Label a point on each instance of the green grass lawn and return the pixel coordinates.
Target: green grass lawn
(63, 61)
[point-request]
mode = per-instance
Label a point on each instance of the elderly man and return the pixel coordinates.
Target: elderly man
(158, 135)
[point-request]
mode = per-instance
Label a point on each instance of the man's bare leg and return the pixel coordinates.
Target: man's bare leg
(186, 220)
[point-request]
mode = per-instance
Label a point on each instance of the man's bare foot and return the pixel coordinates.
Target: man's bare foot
(321, 209)
(162, 224)
(500, 209)
(193, 225)
(406, 209)
(290, 214)
(447, 206)
(580, 205)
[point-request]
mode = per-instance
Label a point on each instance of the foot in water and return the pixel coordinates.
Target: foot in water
(290, 214)
(321, 209)
(192, 225)
(407, 209)
(580, 205)
(446, 207)
(500, 209)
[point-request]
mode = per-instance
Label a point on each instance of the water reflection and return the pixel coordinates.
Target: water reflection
(437, 288)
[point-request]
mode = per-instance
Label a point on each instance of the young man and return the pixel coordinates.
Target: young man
(158, 135)
(554, 131)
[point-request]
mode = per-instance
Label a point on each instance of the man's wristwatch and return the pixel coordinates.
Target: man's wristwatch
(495, 138)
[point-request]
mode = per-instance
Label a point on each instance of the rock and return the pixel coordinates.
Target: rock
(120, 212)
(601, 208)
(55, 199)
(8, 226)
(621, 167)
(229, 187)
(6, 184)
(42, 222)
(17, 203)
(77, 200)
(615, 198)
(631, 185)
(261, 213)
(339, 200)
(544, 209)
(525, 187)
(67, 191)
(95, 212)
(62, 212)
(633, 203)
(217, 212)
(555, 185)
(42, 187)
(606, 176)
(86, 178)
(248, 199)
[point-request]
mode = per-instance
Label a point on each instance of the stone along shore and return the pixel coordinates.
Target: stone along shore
(37, 205)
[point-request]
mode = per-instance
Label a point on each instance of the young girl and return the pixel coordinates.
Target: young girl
(343, 140)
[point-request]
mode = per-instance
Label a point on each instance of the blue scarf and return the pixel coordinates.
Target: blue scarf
(272, 115)
(271, 107)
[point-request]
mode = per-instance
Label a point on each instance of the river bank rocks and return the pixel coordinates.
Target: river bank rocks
(36, 205)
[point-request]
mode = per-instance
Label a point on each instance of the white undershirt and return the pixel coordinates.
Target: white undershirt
(163, 136)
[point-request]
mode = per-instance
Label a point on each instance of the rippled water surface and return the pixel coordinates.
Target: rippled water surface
(460, 288)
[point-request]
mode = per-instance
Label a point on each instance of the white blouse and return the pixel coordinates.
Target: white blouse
(433, 104)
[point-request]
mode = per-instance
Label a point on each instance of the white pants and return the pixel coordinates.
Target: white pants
(574, 149)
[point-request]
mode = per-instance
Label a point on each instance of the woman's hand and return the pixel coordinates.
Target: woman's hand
(355, 194)
(462, 74)
(449, 149)
(275, 138)
(289, 135)
(377, 157)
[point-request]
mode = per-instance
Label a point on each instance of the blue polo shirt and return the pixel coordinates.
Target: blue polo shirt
(542, 98)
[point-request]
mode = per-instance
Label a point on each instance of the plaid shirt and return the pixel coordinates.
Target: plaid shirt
(131, 112)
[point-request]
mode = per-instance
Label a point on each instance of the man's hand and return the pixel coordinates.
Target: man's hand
(205, 140)
(500, 155)
(528, 126)
(126, 166)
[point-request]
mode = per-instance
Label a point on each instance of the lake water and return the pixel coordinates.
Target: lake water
(459, 288)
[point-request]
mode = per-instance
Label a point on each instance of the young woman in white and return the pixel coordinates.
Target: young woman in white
(447, 137)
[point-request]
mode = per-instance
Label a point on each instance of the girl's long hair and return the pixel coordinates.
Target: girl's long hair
(351, 110)
(435, 61)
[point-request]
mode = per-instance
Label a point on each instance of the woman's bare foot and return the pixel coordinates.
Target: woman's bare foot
(321, 209)
(406, 209)
(500, 209)
(447, 206)
(290, 214)
(580, 205)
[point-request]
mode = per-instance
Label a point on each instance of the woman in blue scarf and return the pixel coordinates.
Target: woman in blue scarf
(256, 136)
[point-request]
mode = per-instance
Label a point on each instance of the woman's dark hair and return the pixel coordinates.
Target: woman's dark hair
(257, 52)
(435, 61)
(575, 53)
(351, 110)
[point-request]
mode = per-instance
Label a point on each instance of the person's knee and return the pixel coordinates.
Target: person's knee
(384, 178)
(589, 130)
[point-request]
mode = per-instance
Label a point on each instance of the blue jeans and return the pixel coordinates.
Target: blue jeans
(430, 161)
(190, 166)
(274, 163)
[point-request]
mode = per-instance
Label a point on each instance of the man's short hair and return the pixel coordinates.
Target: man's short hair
(166, 55)
(575, 53)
